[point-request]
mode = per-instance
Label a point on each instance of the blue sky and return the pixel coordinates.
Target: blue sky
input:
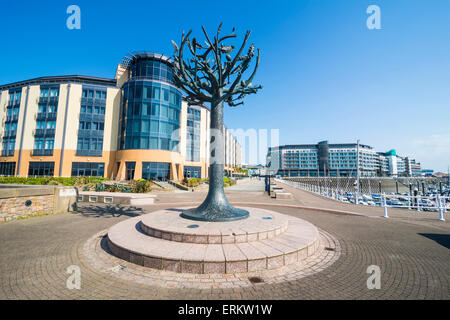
(326, 76)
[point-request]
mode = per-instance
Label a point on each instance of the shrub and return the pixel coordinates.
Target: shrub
(227, 182)
(72, 181)
(141, 186)
(193, 182)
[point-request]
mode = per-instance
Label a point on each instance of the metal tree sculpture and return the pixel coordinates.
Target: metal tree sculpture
(213, 75)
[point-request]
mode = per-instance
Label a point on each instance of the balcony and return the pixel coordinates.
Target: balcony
(92, 117)
(92, 101)
(89, 153)
(44, 132)
(87, 133)
(10, 133)
(42, 152)
(46, 100)
(12, 117)
(45, 116)
(14, 103)
(7, 153)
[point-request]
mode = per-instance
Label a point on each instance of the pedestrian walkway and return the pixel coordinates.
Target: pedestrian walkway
(411, 249)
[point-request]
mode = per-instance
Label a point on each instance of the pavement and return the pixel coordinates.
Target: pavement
(411, 249)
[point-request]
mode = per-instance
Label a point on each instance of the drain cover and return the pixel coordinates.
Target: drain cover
(267, 218)
(329, 249)
(255, 280)
(192, 226)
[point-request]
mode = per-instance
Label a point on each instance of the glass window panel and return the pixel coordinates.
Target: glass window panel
(145, 109)
(138, 92)
(153, 143)
(156, 93)
(154, 126)
(136, 126)
(144, 142)
(165, 94)
(145, 126)
(135, 142)
(164, 111)
(155, 109)
(172, 97)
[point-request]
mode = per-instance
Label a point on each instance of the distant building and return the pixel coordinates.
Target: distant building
(427, 172)
(324, 159)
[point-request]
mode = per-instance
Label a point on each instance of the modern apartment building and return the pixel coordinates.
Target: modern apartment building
(134, 126)
(324, 159)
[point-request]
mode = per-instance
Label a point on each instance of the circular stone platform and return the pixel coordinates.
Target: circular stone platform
(260, 225)
(164, 240)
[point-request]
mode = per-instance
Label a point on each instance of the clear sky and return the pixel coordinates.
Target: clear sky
(326, 76)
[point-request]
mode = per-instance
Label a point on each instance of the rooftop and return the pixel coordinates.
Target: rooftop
(60, 79)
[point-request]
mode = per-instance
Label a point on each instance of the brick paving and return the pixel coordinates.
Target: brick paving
(412, 250)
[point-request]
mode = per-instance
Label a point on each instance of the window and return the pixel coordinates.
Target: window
(41, 169)
(88, 169)
(165, 94)
(54, 92)
(7, 169)
(44, 92)
(156, 92)
(192, 172)
(130, 166)
(155, 109)
(156, 170)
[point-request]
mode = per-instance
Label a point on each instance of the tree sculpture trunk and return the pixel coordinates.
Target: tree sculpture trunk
(216, 206)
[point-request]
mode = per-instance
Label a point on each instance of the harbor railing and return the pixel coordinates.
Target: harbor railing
(432, 203)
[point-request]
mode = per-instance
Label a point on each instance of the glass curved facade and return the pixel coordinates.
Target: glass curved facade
(152, 70)
(151, 110)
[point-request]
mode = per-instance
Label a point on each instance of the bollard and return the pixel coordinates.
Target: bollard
(441, 209)
(383, 197)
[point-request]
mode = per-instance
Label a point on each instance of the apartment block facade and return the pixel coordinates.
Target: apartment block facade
(134, 126)
(324, 159)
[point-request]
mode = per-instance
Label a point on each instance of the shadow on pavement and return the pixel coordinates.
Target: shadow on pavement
(442, 239)
(108, 211)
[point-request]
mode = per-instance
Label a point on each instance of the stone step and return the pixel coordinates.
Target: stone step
(127, 241)
(168, 225)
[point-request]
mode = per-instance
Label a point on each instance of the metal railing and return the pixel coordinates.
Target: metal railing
(42, 152)
(434, 203)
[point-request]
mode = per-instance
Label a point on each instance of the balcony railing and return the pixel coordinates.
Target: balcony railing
(45, 100)
(42, 152)
(7, 153)
(45, 116)
(92, 117)
(12, 117)
(89, 153)
(10, 133)
(91, 101)
(44, 132)
(13, 103)
(86, 133)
